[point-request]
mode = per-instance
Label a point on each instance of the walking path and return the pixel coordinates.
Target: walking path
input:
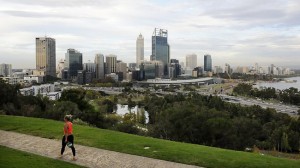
(87, 156)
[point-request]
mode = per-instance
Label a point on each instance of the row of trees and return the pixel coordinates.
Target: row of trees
(291, 95)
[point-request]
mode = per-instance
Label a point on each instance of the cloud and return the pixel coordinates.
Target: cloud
(237, 32)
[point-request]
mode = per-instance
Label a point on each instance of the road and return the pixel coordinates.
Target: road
(279, 107)
(107, 90)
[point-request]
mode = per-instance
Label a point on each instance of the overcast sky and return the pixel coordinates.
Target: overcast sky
(238, 32)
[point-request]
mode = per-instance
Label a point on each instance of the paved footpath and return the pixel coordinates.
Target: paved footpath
(87, 156)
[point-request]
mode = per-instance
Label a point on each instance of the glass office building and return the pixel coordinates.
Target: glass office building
(73, 62)
(161, 48)
(207, 63)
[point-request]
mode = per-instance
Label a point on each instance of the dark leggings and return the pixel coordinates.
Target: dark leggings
(64, 143)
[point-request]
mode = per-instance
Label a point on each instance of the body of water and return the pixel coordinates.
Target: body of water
(280, 85)
(123, 109)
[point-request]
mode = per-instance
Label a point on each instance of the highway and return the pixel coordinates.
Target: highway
(279, 107)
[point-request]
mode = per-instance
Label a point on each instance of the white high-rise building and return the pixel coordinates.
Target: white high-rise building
(217, 69)
(191, 61)
(60, 68)
(46, 55)
(100, 69)
(139, 49)
(5, 70)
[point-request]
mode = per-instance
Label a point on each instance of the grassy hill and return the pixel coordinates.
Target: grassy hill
(133, 144)
(13, 158)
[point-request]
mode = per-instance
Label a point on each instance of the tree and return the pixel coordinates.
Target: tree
(9, 93)
(62, 108)
(77, 96)
(285, 142)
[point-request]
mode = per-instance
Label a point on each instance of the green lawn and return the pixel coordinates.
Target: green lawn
(11, 158)
(161, 149)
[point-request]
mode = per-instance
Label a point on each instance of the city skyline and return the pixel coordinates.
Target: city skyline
(239, 33)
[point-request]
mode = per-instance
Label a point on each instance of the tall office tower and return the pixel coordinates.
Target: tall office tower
(90, 71)
(111, 61)
(89, 67)
(60, 68)
(207, 63)
(152, 69)
(161, 48)
(73, 62)
(46, 55)
(191, 61)
(227, 69)
(272, 67)
(5, 70)
(121, 69)
(176, 68)
(217, 69)
(139, 49)
(100, 68)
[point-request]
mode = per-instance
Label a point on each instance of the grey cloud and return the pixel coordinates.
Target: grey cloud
(204, 26)
(65, 3)
(29, 14)
(253, 13)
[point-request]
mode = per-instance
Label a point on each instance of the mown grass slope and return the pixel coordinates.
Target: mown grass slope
(133, 144)
(11, 158)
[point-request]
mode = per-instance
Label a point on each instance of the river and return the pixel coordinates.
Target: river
(280, 85)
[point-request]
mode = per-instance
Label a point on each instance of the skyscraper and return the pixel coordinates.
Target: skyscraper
(60, 68)
(176, 68)
(73, 62)
(90, 71)
(227, 69)
(152, 69)
(46, 55)
(111, 61)
(5, 70)
(89, 67)
(139, 49)
(100, 69)
(207, 63)
(121, 69)
(191, 61)
(161, 48)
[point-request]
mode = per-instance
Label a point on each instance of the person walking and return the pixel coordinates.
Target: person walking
(68, 138)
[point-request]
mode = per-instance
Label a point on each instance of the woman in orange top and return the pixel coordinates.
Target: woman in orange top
(68, 138)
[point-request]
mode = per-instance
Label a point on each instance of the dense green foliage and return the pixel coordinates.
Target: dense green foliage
(161, 149)
(210, 121)
(192, 118)
(291, 95)
(10, 158)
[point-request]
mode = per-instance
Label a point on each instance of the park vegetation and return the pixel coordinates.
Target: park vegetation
(190, 118)
(290, 96)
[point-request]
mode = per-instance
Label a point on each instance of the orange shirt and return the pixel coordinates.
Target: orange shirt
(68, 128)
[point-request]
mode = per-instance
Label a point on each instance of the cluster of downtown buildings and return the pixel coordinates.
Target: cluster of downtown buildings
(160, 65)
